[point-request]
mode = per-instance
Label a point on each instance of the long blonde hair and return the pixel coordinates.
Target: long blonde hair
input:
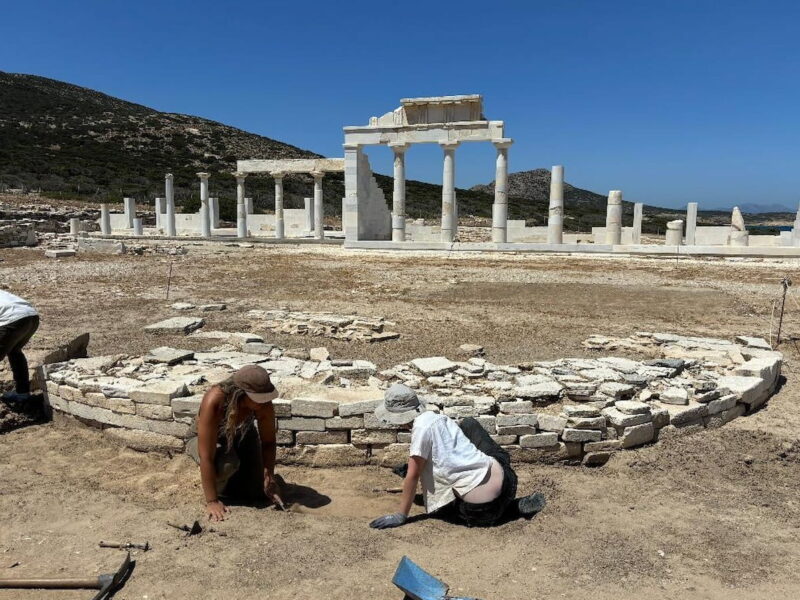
(234, 395)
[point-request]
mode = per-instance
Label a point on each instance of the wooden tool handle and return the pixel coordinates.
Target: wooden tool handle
(52, 584)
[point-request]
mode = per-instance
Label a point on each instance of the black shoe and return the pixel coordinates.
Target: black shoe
(530, 505)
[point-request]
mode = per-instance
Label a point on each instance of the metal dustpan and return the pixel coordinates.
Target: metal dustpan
(418, 584)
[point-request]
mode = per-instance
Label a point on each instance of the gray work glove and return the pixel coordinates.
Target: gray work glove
(387, 521)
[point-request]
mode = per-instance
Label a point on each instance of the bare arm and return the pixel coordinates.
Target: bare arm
(208, 421)
(415, 466)
(266, 430)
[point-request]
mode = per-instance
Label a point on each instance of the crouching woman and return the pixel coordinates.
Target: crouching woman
(235, 443)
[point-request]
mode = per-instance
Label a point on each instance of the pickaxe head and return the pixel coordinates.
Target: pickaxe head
(112, 582)
(418, 584)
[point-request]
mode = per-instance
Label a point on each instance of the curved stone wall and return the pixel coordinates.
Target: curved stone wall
(577, 409)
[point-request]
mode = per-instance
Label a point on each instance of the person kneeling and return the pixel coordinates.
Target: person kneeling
(237, 461)
(464, 472)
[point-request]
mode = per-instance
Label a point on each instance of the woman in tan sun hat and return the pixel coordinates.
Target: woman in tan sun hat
(237, 460)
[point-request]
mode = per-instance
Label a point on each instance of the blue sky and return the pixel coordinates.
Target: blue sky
(671, 102)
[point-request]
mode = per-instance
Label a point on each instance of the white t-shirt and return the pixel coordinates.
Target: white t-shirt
(454, 464)
(13, 308)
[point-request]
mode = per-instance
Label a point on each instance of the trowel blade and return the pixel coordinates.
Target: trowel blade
(417, 583)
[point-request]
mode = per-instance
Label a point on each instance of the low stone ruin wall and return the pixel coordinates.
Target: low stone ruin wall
(17, 234)
(342, 327)
(580, 409)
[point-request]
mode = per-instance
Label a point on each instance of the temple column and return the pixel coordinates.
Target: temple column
(170, 199)
(500, 206)
(130, 211)
(248, 206)
(241, 207)
(205, 216)
(159, 210)
(319, 207)
(105, 220)
(448, 190)
(614, 218)
(399, 192)
(691, 223)
(555, 215)
(638, 209)
(213, 208)
(674, 235)
(74, 226)
(308, 210)
(278, 204)
(137, 227)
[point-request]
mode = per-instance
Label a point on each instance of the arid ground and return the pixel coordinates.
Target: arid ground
(715, 515)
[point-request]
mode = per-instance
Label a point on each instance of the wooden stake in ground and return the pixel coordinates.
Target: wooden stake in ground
(785, 282)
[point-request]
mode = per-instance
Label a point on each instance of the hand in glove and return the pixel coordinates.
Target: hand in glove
(387, 521)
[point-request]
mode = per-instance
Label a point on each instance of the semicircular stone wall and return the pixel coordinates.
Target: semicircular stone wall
(574, 409)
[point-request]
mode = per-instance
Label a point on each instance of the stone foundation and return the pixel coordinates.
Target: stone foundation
(580, 409)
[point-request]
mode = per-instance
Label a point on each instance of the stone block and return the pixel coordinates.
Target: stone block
(617, 390)
(108, 417)
(159, 392)
(516, 430)
(660, 418)
(394, 455)
(460, 412)
(551, 423)
(581, 411)
(603, 445)
(358, 408)
(319, 354)
(404, 437)
(305, 407)
(690, 414)
(372, 422)
(721, 404)
(631, 407)
(587, 423)
(257, 348)
(637, 435)
(144, 441)
(283, 407)
(186, 407)
(573, 449)
(504, 440)
(488, 422)
(619, 419)
(752, 391)
(672, 431)
(514, 408)
(539, 440)
(333, 455)
(68, 392)
(448, 401)
(344, 423)
(373, 436)
(168, 356)
(546, 391)
(302, 424)
(581, 435)
(434, 365)
(120, 405)
(176, 326)
(516, 420)
(154, 411)
(548, 455)
(733, 413)
(753, 342)
(284, 437)
(59, 253)
(213, 307)
(674, 395)
(597, 458)
(321, 437)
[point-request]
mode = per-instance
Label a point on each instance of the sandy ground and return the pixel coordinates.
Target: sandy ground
(710, 516)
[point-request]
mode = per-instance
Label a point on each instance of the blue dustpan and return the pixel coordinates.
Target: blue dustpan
(418, 584)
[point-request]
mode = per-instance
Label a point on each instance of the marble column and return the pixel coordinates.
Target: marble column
(614, 218)
(319, 206)
(170, 200)
(248, 206)
(205, 215)
(399, 192)
(308, 211)
(105, 220)
(691, 223)
(130, 211)
(448, 190)
(638, 209)
(278, 204)
(159, 211)
(137, 227)
(739, 236)
(796, 229)
(674, 233)
(213, 208)
(555, 215)
(74, 226)
(500, 206)
(241, 207)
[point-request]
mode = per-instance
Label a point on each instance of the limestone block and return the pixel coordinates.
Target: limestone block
(539, 440)
(597, 458)
(159, 392)
(372, 422)
(186, 407)
(176, 326)
(617, 390)
(333, 455)
(304, 407)
(284, 437)
(540, 391)
(108, 417)
(534, 379)
(59, 253)
(344, 423)
(394, 455)
(623, 365)
(767, 369)
(144, 441)
(721, 404)
(319, 354)
(302, 424)
(752, 391)
(673, 431)
(631, 407)
(580, 411)
(753, 342)
(154, 411)
(257, 348)
(518, 407)
(504, 440)
(448, 401)
(603, 445)
(434, 365)
(581, 435)
(183, 306)
(120, 405)
(674, 395)
(488, 422)
(321, 437)
(283, 408)
(213, 307)
(360, 369)
(620, 419)
(549, 455)
(373, 436)
(733, 413)
(689, 414)
(70, 393)
(587, 423)
(404, 437)
(551, 423)
(515, 420)
(168, 356)
(116, 387)
(661, 417)
(637, 435)
(579, 391)
(601, 374)
(707, 397)
(516, 430)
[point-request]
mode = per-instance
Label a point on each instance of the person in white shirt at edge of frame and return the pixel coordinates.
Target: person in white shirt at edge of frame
(466, 476)
(18, 322)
